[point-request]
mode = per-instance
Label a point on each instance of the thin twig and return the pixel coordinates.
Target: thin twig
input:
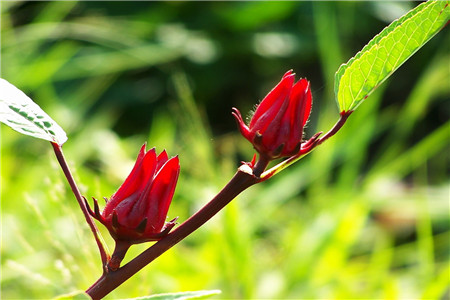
(62, 162)
(344, 116)
(307, 147)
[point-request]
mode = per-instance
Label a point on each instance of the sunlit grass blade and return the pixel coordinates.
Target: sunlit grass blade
(418, 154)
(116, 61)
(438, 289)
(20, 113)
(386, 52)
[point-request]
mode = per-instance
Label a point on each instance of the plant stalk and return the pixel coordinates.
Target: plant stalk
(64, 166)
(243, 179)
(344, 116)
(309, 148)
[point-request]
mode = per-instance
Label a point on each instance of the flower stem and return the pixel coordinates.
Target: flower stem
(344, 115)
(243, 179)
(118, 254)
(62, 162)
(260, 165)
(311, 146)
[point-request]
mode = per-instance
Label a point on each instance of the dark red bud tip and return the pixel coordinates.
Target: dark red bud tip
(241, 124)
(311, 141)
(171, 223)
(257, 140)
(115, 221)
(88, 207)
(96, 209)
(168, 227)
(237, 115)
(141, 227)
(310, 144)
(277, 151)
(96, 212)
(289, 73)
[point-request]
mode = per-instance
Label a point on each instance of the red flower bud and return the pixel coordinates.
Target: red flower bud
(138, 210)
(276, 128)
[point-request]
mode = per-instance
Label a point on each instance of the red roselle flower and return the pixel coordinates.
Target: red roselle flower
(137, 212)
(276, 128)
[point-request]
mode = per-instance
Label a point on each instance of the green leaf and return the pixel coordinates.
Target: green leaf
(20, 113)
(180, 296)
(387, 51)
(77, 295)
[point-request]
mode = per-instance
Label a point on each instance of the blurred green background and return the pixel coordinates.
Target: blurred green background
(364, 216)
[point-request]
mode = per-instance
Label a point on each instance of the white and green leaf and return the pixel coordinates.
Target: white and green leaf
(20, 113)
(387, 51)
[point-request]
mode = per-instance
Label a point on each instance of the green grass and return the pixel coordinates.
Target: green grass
(364, 216)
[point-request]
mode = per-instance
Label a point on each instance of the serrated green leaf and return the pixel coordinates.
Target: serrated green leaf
(180, 296)
(77, 295)
(387, 51)
(20, 113)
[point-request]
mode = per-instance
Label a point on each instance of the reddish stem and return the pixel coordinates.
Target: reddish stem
(119, 253)
(243, 179)
(110, 280)
(336, 127)
(309, 145)
(62, 162)
(260, 165)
